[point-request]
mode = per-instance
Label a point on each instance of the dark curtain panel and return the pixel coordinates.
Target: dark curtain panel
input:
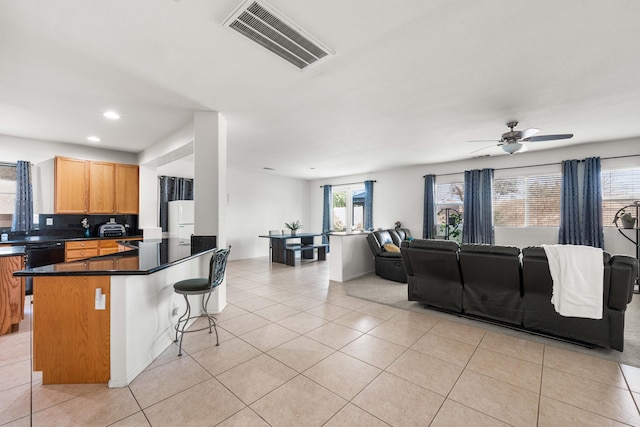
(173, 188)
(368, 205)
(478, 207)
(326, 213)
(429, 215)
(592, 232)
(23, 210)
(569, 233)
(581, 204)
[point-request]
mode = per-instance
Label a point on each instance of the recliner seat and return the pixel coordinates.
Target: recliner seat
(388, 265)
(492, 282)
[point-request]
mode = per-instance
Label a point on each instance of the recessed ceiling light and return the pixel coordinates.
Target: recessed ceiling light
(268, 168)
(93, 138)
(111, 115)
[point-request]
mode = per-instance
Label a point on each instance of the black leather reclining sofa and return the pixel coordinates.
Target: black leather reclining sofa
(388, 265)
(496, 283)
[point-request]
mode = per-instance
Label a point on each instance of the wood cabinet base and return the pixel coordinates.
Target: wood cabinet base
(11, 294)
(71, 339)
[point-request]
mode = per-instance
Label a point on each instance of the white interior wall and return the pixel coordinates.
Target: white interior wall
(259, 202)
(399, 193)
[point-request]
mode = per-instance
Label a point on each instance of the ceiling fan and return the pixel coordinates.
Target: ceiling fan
(513, 141)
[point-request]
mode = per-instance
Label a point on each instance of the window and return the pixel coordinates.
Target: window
(449, 208)
(619, 188)
(348, 207)
(7, 194)
(530, 201)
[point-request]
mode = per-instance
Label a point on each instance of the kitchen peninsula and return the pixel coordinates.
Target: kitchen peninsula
(105, 319)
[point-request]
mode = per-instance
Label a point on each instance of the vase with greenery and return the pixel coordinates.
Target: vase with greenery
(294, 226)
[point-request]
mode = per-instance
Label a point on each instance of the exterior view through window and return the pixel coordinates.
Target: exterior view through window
(619, 188)
(529, 201)
(348, 207)
(7, 195)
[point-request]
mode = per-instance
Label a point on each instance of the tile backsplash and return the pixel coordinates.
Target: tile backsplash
(69, 226)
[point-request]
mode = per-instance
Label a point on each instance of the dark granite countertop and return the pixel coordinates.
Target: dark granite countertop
(145, 257)
(12, 251)
(23, 240)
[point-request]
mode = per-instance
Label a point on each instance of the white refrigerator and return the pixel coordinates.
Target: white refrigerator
(180, 228)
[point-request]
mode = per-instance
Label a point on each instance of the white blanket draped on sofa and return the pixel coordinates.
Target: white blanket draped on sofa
(577, 273)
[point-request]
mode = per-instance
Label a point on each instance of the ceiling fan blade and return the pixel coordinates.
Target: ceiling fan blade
(485, 140)
(528, 133)
(549, 137)
(481, 149)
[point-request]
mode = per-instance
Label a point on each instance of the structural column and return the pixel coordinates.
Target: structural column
(210, 185)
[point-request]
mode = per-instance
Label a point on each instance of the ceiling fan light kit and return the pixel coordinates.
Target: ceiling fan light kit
(512, 147)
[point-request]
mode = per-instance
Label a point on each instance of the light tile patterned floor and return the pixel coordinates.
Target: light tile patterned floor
(297, 350)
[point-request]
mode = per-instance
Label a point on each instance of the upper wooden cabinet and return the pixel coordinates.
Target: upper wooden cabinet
(102, 192)
(127, 189)
(71, 186)
(93, 187)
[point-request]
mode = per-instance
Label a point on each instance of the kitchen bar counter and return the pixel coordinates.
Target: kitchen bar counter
(105, 319)
(145, 257)
(11, 250)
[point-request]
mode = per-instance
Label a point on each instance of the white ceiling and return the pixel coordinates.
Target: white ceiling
(412, 81)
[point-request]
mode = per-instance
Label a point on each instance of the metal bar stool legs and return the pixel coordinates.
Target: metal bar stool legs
(184, 319)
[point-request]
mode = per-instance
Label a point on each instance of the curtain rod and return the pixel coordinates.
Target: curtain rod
(351, 183)
(9, 165)
(541, 164)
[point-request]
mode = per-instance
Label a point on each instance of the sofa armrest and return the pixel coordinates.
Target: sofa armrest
(624, 272)
(373, 244)
(405, 257)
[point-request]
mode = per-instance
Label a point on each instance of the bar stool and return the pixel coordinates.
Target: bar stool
(201, 286)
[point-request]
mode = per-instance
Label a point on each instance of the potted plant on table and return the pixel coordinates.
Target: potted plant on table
(294, 226)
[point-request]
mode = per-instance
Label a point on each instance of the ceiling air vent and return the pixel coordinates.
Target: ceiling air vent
(272, 30)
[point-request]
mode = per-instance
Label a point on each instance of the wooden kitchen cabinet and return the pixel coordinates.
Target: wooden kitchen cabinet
(127, 192)
(81, 250)
(71, 186)
(11, 293)
(94, 187)
(102, 191)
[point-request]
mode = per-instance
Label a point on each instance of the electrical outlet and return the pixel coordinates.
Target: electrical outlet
(112, 220)
(101, 300)
(49, 221)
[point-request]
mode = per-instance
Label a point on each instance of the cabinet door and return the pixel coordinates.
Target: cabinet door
(101, 187)
(11, 294)
(127, 189)
(71, 186)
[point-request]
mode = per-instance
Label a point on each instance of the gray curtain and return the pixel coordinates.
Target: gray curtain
(429, 214)
(592, 232)
(173, 188)
(569, 233)
(368, 205)
(581, 204)
(23, 210)
(478, 207)
(326, 213)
